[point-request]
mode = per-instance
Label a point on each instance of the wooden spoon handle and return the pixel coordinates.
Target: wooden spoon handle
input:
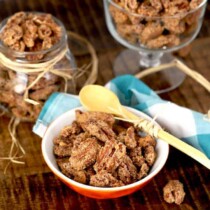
(170, 139)
(184, 147)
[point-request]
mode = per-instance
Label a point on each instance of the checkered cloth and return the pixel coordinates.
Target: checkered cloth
(190, 126)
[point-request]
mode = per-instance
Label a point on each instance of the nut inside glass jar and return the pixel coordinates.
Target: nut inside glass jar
(35, 61)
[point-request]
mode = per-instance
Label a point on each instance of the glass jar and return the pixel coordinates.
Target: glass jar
(28, 77)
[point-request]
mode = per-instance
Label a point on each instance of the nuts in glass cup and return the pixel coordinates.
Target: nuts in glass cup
(157, 24)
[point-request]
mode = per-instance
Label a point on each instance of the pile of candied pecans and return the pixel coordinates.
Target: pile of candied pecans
(158, 23)
(28, 32)
(173, 192)
(100, 151)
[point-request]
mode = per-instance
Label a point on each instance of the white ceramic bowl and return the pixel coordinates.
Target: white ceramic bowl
(162, 149)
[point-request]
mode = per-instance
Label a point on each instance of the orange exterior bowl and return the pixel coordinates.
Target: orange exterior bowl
(162, 149)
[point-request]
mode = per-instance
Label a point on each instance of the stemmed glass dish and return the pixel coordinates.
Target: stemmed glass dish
(151, 30)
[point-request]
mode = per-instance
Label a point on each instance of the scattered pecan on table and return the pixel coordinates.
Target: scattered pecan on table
(173, 192)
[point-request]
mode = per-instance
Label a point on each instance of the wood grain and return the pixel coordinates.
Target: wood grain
(33, 186)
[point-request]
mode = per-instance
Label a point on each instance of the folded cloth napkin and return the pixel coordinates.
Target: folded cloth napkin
(190, 126)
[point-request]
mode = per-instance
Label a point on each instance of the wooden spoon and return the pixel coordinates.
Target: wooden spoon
(99, 98)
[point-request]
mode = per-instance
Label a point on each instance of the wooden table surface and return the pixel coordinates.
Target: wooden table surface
(33, 186)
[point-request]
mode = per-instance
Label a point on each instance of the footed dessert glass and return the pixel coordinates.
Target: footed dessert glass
(152, 30)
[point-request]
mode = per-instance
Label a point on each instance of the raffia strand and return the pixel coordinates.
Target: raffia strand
(181, 66)
(17, 152)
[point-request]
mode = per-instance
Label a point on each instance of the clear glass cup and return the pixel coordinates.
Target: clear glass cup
(14, 81)
(151, 31)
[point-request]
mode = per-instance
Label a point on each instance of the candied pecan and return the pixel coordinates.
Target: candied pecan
(74, 128)
(11, 35)
(125, 32)
(79, 176)
(137, 156)
(18, 46)
(119, 16)
(44, 31)
(110, 156)
(17, 18)
(175, 26)
(97, 128)
(121, 136)
(147, 141)
(84, 154)
(64, 165)
(173, 192)
(7, 97)
(130, 138)
(150, 155)
(135, 21)
(144, 169)
(127, 171)
(21, 103)
(130, 4)
(176, 7)
(165, 3)
(19, 112)
(78, 139)
(132, 31)
(5, 84)
(47, 43)
(24, 110)
(63, 149)
(145, 9)
(86, 116)
(47, 80)
(163, 41)
(195, 3)
(30, 28)
(191, 20)
(157, 4)
(117, 128)
(28, 40)
(44, 93)
(76, 175)
(59, 139)
(104, 179)
(151, 31)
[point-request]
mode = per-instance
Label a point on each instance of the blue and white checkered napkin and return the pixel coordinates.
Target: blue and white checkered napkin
(190, 126)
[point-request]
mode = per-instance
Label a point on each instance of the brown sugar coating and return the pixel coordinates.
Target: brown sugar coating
(153, 24)
(100, 151)
(173, 192)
